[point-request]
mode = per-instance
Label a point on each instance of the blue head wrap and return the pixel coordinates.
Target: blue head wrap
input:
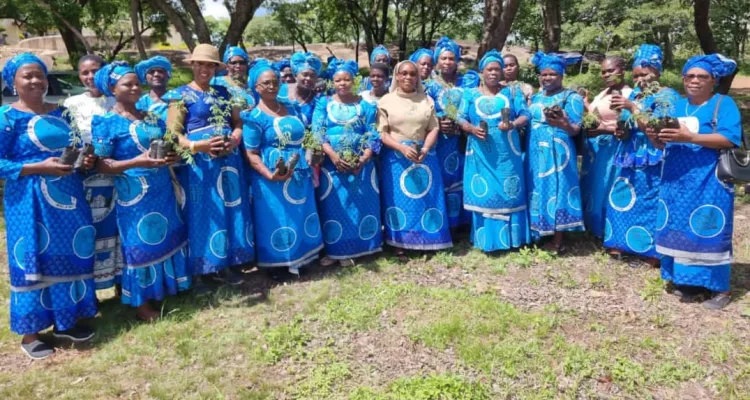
(281, 64)
(417, 55)
(648, 55)
(15, 63)
(234, 51)
(380, 49)
(338, 65)
(491, 56)
(446, 44)
(261, 66)
(110, 74)
(142, 68)
(303, 61)
(551, 61)
(715, 64)
(470, 79)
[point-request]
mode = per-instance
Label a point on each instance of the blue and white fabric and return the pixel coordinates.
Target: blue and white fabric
(648, 56)
(143, 67)
(50, 234)
(349, 203)
(552, 170)
(152, 231)
(695, 217)
(290, 235)
(217, 209)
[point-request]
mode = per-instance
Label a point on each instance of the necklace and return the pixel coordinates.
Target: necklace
(694, 111)
(306, 99)
(276, 111)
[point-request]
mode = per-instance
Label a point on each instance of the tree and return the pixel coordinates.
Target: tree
(135, 13)
(551, 16)
(371, 15)
(498, 20)
(266, 31)
(701, 10)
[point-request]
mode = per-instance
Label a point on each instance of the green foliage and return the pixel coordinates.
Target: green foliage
(283, 341)
(312, 141)
(266, 30)
(653, 290)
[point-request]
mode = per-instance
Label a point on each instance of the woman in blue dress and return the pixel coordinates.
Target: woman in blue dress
(598, 171)
(217, 206)
(379, 55)
(154, 72)
(446, 88)
(288, 232)
(152, 233)
(235, 80)
(423, 59)
(348, 195)
(552, 180)
(50, 233)
(413, 197)
(694, 221)
(634, 199)
(302, 94)
(379, 84)
(494, 182)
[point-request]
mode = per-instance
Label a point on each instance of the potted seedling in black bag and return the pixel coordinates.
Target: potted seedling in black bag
(505, 116)
(72, 151)
(221, 113)
(553, 112)
(313, 148)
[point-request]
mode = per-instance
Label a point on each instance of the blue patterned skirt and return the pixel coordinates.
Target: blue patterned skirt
(60, 304)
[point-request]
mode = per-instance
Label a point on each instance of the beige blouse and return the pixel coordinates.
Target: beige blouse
(406, 116)
(601, 105)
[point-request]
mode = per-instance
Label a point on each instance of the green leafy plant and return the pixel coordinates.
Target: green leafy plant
(312, 141)
(592, 119)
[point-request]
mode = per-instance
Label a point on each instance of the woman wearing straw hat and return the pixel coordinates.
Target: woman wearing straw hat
(215, 206)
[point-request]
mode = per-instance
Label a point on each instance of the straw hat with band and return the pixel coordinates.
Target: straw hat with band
(206, 53)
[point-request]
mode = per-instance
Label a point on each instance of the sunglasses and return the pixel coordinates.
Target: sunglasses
(240, 62)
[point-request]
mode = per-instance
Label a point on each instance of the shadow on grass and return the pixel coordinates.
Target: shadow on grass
(740, 283)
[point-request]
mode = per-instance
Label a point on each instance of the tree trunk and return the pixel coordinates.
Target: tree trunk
(201, 28)
(668, 51)
(551, 17)
(241, 16)
(706, 39)
(383, 23)
(176, 19)
(135, 6)
(497, 23)
(423, 25)
(70, 31)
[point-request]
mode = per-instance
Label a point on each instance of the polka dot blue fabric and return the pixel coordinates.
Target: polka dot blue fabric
(349, 203)
(50, 234)
(152, 231)
(217, 210)
(291, 236)
(552, 170)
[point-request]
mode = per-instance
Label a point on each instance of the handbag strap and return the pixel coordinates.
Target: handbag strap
(744, 145)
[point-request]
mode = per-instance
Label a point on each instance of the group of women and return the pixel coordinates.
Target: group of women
(225, 172)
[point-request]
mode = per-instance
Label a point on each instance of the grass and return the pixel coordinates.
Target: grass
(460, 324)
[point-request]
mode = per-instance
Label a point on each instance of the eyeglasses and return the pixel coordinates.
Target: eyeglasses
(700, 77)
(240, 62)
(269, 84)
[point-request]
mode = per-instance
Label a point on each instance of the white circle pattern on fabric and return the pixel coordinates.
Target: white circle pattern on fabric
(334, 114)
(574, 198)
(249, 229)
(368, 227)
(283, 239)
(707, 221)
(312, 225)
(552, 207)
(228, 184)
(131, 190)
(289, 194)
(374, 181)
(662, 215)
(504, 236)
(83, 242)
(480, 238)
(488, 107)
(554, 156)
(479, 186)
(416, 181)
(638, 239)
(432, 220)
(607, 229)
(332, 231)
(395, 219)
(512, 144)
(512, 186)
(55, 197)
(219, 244)
(45, 299)
(18, 254)
(285, 126)
(133, 130)
(327, 185)
(152, 228)
(451, 163)
(147, 278)
(42, 237)
(619, 199)
(45, 124)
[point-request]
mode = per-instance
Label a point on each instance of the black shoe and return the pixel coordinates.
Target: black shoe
(718, 302)
(37, 350)
(280, 274)
(76, 334)
(199, 287)
(229, 277)
(691, 294)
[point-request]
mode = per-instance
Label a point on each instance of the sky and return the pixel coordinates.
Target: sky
(216, 9)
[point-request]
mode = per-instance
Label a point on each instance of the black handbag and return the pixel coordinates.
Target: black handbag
(734, 164)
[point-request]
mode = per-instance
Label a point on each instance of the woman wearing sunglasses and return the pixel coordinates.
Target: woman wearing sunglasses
(235, 80)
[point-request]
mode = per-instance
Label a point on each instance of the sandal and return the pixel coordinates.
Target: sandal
(718, 302)
(37, 350)
(327, 262)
